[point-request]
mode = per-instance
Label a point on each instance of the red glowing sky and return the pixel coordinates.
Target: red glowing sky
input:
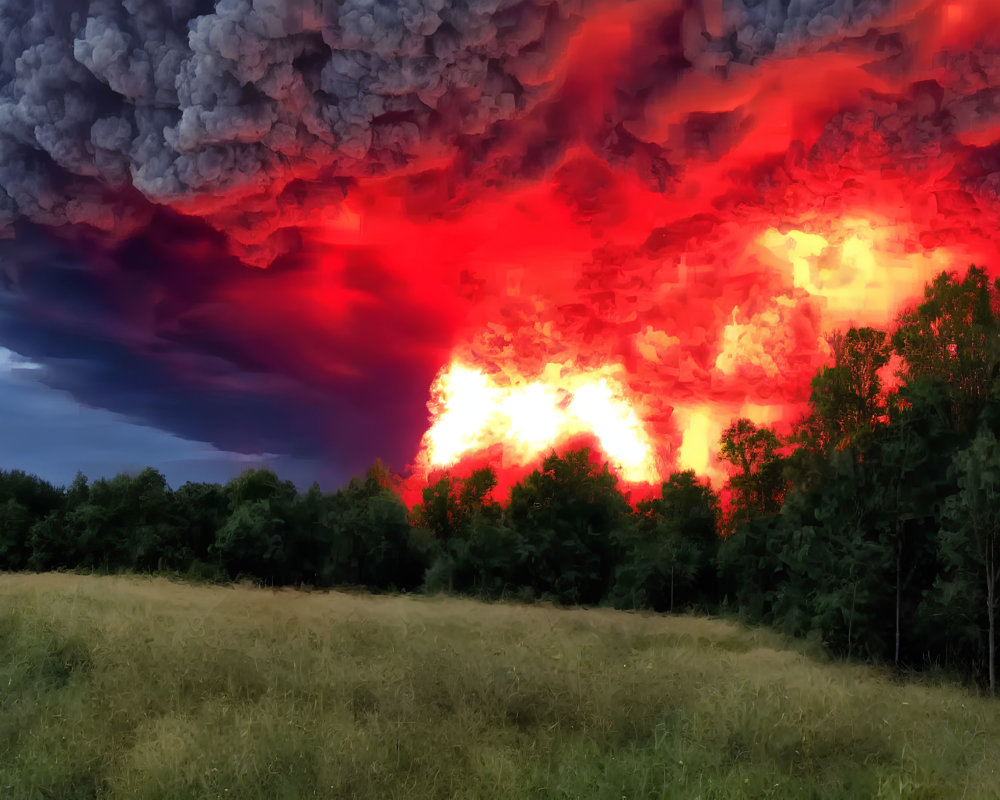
(682, 199)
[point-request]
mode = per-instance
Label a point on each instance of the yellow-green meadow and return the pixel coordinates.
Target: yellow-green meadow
(132, 687)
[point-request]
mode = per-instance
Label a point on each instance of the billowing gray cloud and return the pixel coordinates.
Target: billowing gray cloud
(155, 153)
(217, 105)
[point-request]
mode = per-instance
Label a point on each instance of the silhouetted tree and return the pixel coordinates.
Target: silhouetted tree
(470, 549)
(24, 499)
(970, 534)
(953, 337)
(371, 536)
(757, 484)
(847, 396)
(670, 549)
(571, 517)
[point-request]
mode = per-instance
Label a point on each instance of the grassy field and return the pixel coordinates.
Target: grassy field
(143, 688)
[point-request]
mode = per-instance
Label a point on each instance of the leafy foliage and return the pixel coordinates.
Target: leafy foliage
(847, 397)
(573, 517)
(970, 544)
(758, 484)
(953, 336)
(670, 549)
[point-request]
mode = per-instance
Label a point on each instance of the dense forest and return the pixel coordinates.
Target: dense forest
(874, 526)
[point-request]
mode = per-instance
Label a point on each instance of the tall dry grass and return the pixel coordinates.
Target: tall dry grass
(114, 687)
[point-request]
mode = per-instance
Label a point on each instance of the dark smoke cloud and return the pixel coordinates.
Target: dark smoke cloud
(155, 154)
(220, 107)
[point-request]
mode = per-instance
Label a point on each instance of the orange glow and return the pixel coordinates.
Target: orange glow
(859, 273)
(702, 428)
(527, 418)
(617, 428)
(499, 396)
(468, 402)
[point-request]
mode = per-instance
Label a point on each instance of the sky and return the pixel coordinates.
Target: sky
(48, 432)
(309, 234)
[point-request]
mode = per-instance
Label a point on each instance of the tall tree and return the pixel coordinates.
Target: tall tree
(371, 535)
(15, 523)
(313, 540)
(145, 516)
(835, 571)
(847, 396)
(571, 516)
(449, 503)
(200, 509)
(954, 336)
(758, 485)
(670, 549)
(909, 484)
(252, 539)
(462, 525)
(439, 510)
(970, 534)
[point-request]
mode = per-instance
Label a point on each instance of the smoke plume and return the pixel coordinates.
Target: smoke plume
(273, 225)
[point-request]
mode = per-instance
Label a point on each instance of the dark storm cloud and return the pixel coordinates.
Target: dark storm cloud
(147, 334)
(151, 150)
(48, 433)
(187, 101)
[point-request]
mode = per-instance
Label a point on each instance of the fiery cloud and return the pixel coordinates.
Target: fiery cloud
(288, 225)
(474, 411)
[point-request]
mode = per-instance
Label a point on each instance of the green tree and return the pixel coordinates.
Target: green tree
(476, 493)
(953, 336)
(909, 484)
(252, 540)
(970, 533)
(145, 519)
(124, 521)
(53, 541)
(570, 516)
(15, 524)
(24, 499)
(450, 503)
(750, 571)
(85, 539)
(833, 571)
(439, 512)
(50, 544)
(463, 522)
(371, 535)
(200, 509)
(670, 548)
(758, 486)
(313, 536)
(847, 396)
(250, 543)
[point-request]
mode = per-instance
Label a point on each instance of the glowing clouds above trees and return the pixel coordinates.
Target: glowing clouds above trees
(658, 380)
(861, 271)
(525, 419)
(314, 212)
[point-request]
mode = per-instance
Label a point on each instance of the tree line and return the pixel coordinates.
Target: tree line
(874, 525)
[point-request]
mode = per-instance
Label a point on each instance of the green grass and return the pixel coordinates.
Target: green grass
(143, 688)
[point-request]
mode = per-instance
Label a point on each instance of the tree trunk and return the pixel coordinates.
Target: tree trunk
(671, 589)
(991, 605)
(899, 564)
(991, 611)
(899, 588)
(850, 621)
